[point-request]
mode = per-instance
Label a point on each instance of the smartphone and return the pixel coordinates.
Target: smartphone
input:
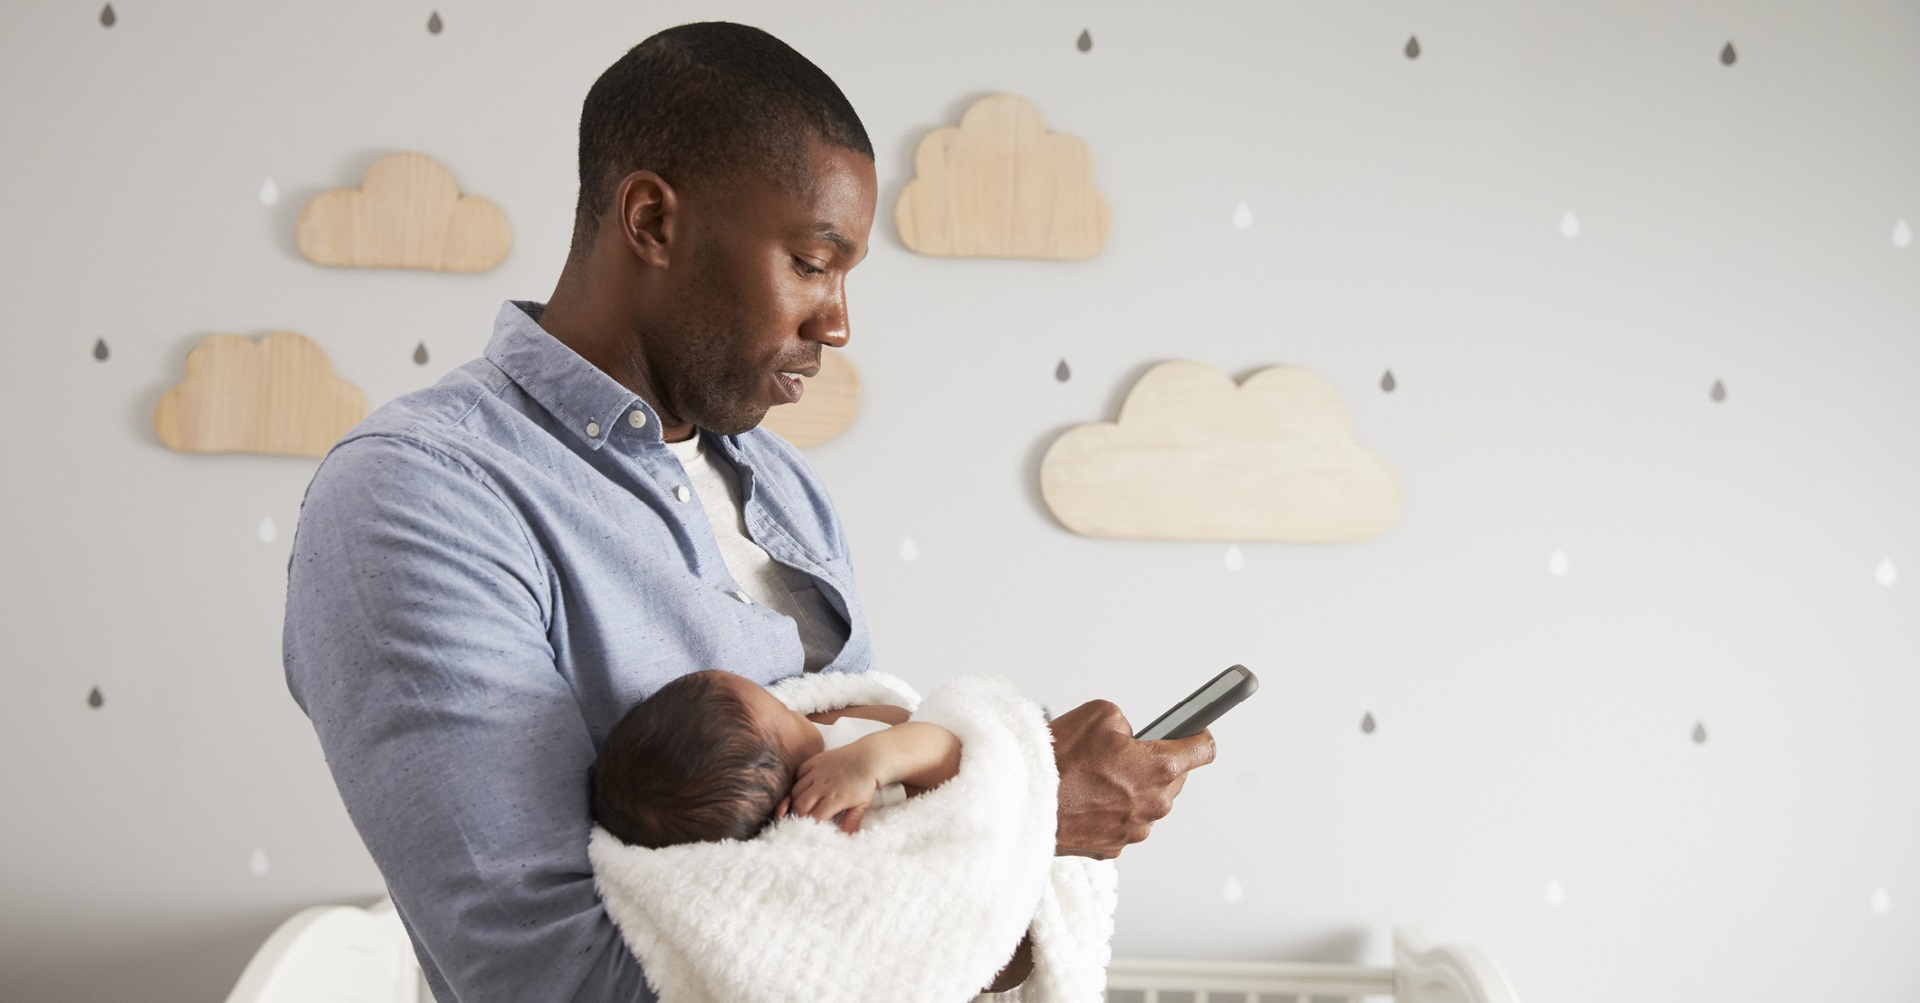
(1192, 715)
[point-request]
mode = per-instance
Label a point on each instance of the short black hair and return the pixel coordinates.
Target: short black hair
(706, 104)
(688, 765)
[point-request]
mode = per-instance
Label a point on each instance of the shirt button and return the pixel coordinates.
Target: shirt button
(743, 597)
(593, 430)
(682, 493)
(637, 418)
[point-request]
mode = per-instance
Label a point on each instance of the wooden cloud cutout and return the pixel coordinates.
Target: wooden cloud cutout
(826, 409)
(1002, 186)
(407, 213)
(1194, 457)
(275, 395)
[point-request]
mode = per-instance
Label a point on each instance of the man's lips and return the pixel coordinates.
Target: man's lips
(788, 387)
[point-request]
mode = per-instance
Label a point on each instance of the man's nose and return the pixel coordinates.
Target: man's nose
(829, 324)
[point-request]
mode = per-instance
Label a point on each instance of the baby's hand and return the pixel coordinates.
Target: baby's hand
(838, 782)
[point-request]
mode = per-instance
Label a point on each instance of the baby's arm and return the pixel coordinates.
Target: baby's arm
(885, 713)
(845, 779)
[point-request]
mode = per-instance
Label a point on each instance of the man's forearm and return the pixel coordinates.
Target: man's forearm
(1019, 967)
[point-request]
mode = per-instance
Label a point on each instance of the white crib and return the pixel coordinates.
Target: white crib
(345, 954)
(1421, 973)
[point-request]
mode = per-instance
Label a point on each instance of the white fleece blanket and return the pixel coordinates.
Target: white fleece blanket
(924, 904)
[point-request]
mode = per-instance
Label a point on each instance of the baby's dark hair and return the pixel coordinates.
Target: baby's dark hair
(688, 765)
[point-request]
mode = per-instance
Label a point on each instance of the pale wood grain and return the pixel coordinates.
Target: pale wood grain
(1001, 186)
(407, 213)
(1193, 457)
(826, 409)
(276, 395)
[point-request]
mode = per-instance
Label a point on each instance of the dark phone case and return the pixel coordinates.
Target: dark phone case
(1206, 715)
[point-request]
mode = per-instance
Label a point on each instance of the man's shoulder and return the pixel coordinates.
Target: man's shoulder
(457, 408)
(438, 428)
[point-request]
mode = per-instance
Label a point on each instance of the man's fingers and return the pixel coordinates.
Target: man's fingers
(1188, 753)
(1104, 713)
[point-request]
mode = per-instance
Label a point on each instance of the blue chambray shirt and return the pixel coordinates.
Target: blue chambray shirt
(487, 574)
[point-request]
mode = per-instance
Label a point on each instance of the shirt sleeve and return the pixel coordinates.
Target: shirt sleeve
(416, 642)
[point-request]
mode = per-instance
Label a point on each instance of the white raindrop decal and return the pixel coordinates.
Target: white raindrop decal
(258, 863)
(1234, 559)
(1902, 234)
(1885, 573)
(1555, 893)
(909, 550)
(267, 531)
(1880, 902)
(269, 192)
(1232, 891)
(1557, 564)
(1243, 216)
(1569, 225)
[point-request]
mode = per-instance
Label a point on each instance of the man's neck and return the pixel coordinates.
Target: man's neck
(603, 335)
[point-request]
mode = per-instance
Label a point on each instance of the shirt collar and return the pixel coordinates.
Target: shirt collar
(588, 402)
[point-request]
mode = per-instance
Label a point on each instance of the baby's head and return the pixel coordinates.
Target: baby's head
(708, 756)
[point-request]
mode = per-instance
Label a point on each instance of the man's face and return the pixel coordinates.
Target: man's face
(765, 290)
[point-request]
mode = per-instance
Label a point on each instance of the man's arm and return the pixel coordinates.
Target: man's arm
(416, 642)
(1113, 787)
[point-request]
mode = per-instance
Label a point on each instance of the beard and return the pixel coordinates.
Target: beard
(704, 368)
(701, 376)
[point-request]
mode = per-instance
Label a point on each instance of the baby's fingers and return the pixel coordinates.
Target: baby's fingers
(827, 807)
(803, 797)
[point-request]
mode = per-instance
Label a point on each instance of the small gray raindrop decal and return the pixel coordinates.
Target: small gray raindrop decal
(1728, 56)
(1366, 723)
(1413, 47)
(1699, 733)
(1061, 372)
(94, 699)
(1387, 382)
(1719, 391)
(1085, 42)
(420, 354)
(100, 352)
(107, 16)
(434, 24)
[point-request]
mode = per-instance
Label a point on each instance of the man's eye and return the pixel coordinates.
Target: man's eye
(806, 267)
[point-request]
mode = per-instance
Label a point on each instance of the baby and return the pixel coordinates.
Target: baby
(713, 755)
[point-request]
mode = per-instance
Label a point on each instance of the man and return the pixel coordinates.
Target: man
(490, 571)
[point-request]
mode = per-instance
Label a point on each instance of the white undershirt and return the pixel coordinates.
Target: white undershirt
(766, 580)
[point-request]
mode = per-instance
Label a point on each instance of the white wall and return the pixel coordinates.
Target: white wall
(1553, 394)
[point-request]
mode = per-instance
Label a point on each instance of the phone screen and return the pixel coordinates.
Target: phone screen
(1221, 685)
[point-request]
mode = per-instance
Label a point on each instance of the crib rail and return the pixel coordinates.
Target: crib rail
(1421, 973)
(1252, 981)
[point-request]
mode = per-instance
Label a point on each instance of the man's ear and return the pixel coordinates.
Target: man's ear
(649, 215)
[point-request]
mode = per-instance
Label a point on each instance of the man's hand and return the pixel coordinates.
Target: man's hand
(1113, 788)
